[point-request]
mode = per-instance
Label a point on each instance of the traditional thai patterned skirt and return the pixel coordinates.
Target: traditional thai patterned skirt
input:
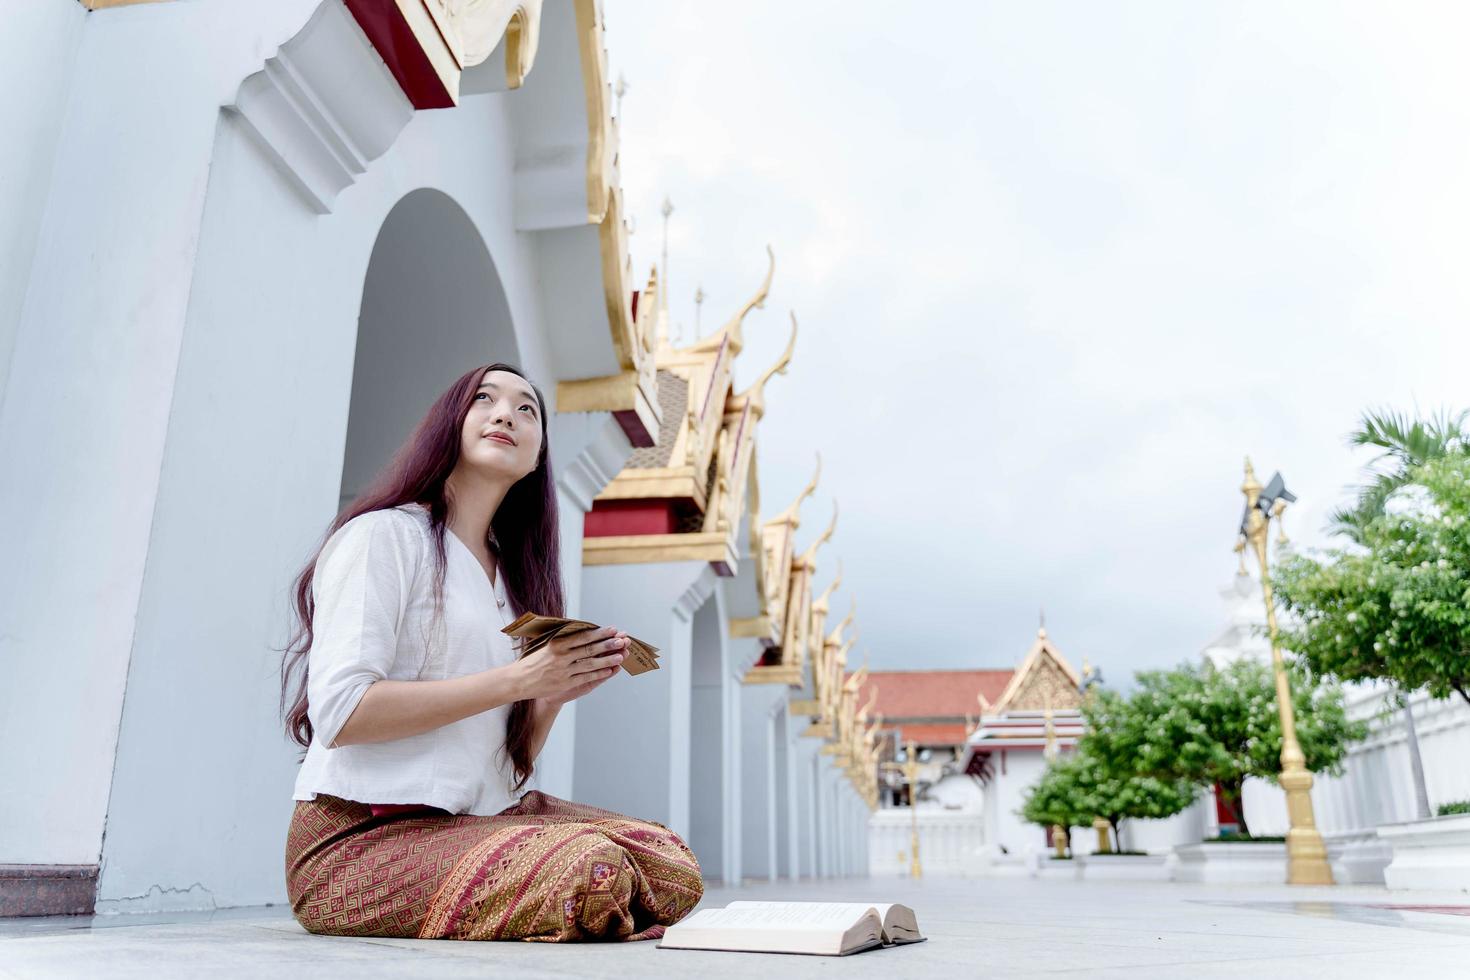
(544, 869)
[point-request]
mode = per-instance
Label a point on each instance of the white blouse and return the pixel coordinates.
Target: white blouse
(374, 620)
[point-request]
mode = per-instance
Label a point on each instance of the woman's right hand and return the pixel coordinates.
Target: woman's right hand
(569, 662)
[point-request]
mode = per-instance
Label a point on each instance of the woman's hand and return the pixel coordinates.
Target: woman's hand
(568, 667)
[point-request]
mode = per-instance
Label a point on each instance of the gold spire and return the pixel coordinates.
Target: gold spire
(822, 601)
(835, 637)
(792, 514)
(754, 396)
(1251, 487)
(732, 328)
(809, 556)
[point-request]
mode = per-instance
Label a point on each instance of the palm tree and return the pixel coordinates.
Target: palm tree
(1405, 444)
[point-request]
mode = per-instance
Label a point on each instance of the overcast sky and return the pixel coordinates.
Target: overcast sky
(1059, 268)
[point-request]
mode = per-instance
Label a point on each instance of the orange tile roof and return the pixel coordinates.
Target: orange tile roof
(923, 734)
(931, 693)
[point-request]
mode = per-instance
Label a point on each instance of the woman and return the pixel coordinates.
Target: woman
(421, 723)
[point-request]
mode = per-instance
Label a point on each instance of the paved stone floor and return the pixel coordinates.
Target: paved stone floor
(1017, 927)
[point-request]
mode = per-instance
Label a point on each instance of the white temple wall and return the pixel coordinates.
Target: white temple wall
(1377, 786)
(1020, 772)
(37, 56)
(804, 757)
(206, 626)
(1161, 836)
(958, 791)
(189, 400)
(109, 336)
(761, 771)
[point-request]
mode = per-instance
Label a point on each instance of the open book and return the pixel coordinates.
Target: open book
(537, 631)
(820, 928)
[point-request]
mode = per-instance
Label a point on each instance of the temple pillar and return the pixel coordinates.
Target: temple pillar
(633, 733)
(760, 772)
(791, 816)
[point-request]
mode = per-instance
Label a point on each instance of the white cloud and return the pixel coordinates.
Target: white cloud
(1059, 267)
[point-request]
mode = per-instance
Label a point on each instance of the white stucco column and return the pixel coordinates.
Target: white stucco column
(759, 772)
(732, 746)
(632, 734)
(588, 450)
(790, 818)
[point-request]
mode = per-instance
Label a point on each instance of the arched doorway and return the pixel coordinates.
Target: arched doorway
(432, 308)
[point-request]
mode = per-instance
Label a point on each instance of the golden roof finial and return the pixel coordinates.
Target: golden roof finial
(822, 600)
(810, 555)
(1251, 487)
(792, 514)
(732, 328)
(835, 636)
(842, 653)
(755, 395)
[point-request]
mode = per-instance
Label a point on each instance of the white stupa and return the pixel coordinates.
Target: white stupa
(1245, 634)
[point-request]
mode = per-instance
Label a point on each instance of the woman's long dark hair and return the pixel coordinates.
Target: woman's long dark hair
(525, 529)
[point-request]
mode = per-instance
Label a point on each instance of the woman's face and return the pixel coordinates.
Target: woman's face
(503, 431)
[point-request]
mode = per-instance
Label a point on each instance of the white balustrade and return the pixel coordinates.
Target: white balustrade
(951, 842)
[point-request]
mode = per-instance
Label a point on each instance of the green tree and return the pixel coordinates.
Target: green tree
(1111, 775)
(1396, 606)
(1057, 799)
(1209, 726)
(1404, 447)
(1103, 778)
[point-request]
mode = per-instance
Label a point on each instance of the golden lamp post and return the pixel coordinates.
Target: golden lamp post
(909, 769)
(1306, 855)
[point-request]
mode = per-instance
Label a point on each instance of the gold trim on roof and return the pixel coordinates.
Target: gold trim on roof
(822, 602)
(754, 396)
(732, 331)
(633, 392)
(1045, 680)
(704, 464)
(633, 549)
(777, 674)
(792, 514)
(809, 557)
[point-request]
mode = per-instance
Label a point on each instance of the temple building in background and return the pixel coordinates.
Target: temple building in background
(982, 737)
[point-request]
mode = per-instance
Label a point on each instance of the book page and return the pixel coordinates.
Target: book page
(778, 915)
(899, 922)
